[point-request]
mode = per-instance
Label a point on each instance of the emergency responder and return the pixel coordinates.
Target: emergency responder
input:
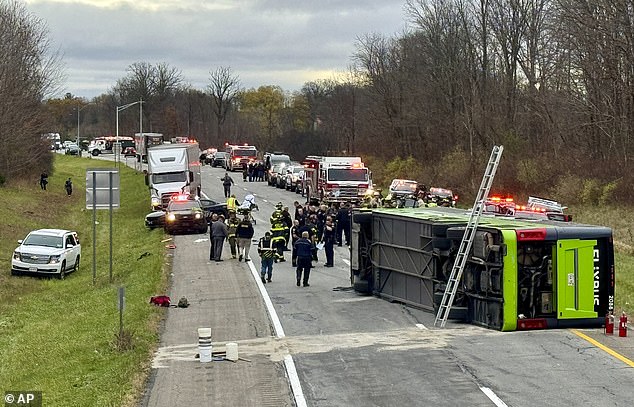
(278, 229)
(311, 229)
(304, 247)
(267, 254)
(218, 233)
(343, 224)
(288, 223)
(227, 181)
(232, 225)
(244, 234)
(232, 203)
(295, 234)
(328, 238)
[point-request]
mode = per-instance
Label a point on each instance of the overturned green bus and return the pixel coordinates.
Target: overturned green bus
(520, 274)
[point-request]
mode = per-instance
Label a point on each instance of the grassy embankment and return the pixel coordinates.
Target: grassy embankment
(58, 337)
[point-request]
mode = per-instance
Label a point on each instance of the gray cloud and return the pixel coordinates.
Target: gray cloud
(266, 42)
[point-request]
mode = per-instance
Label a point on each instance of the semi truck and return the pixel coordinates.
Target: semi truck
(520, 274)
(173, 169)
(336, 179)
(143, 141)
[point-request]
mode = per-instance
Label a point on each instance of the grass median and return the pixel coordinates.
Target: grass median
(60, 336)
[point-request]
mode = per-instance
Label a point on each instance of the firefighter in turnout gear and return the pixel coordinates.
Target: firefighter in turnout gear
(267, 254)
(278, 232)
(232, 224)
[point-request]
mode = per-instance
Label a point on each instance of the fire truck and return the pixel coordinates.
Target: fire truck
(240, 155)
(335, 179)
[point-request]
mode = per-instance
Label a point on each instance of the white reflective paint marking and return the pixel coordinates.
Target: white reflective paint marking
(355, 299)
(200, 240)
(289, 364)
(346, 261)
(421, 326)
(494, 398)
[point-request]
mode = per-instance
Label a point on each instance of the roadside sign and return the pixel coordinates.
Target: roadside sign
(102, 188)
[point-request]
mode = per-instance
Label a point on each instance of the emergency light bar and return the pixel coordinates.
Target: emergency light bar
(547, 204)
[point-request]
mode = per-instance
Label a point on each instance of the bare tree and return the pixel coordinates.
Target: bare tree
(223, 88)
(29, 71)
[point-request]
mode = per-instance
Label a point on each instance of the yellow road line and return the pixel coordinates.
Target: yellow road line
(603, 347)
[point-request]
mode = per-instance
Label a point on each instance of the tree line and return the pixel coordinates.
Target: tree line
(551, 80)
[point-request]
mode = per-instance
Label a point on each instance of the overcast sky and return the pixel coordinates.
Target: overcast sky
(264, 42)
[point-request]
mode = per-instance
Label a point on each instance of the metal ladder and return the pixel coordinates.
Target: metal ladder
(467, 239)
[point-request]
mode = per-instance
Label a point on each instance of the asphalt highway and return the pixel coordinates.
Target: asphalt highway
(324, 345)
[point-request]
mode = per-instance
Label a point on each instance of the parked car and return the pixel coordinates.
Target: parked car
(219, 159)
(52, 252)
(72, 149)
(275, 171)
(292, 177)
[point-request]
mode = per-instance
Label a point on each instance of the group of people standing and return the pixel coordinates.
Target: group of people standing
(310, 228)
(238, 232)
(254, 171)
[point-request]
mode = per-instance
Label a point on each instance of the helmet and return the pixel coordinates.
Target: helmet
(279, 206)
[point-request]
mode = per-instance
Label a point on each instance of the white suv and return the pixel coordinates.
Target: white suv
(47, 252)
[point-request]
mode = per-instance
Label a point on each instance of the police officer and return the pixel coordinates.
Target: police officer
(288, 223)
(278, 230)
(304, 247)
(227, 181)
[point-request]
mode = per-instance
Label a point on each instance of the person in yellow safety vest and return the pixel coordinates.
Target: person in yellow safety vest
(232, 224)
(278, 229)
(232, 203)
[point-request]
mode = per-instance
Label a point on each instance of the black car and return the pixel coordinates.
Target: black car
(185, 214)
(219, 159)
(158, 219)
(210, 207)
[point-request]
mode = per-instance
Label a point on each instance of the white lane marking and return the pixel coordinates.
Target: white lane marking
(421, 326)
(289, 364)
(296, 386)
(277, 325)
(494, 398)
(264, 200)
(346, 261)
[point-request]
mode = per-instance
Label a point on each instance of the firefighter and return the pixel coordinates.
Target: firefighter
(278, 230)
(267, 254)
(232, 225)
